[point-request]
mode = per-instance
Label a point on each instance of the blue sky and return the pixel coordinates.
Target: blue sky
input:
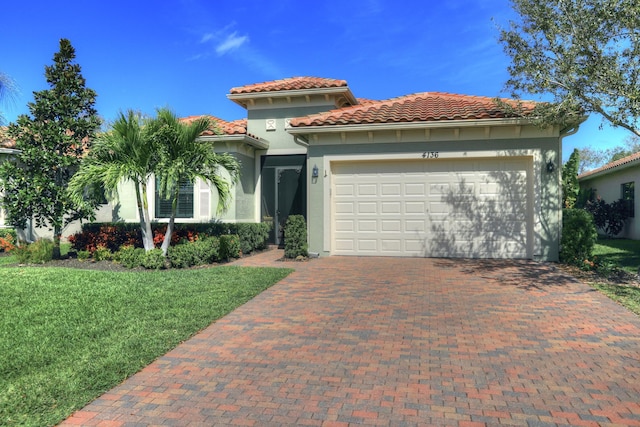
(187, 54)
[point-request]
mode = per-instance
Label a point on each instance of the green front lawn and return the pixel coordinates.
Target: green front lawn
(67, 336)
(624, 254)
(621, 252)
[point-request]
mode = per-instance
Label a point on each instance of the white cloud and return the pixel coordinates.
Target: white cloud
(231, 43)
(206, 37)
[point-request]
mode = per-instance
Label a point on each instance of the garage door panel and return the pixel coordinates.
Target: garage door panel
(391, 246)
(367, 208)
(415, 189)
(415, 225)
(367, 190)
(366, 226)
(391, 207)
(347, 190)
(451, 208)
(345, 225)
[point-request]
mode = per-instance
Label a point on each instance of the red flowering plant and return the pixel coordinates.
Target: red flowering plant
(7, 244)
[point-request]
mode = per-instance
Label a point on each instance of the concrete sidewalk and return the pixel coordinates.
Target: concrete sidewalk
(397, 342)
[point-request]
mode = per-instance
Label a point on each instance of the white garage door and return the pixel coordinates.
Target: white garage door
(477, 208)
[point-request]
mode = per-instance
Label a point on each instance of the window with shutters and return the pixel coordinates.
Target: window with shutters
(185, 202)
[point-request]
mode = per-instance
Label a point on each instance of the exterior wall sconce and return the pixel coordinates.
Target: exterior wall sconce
(551, 167)
(314, 171)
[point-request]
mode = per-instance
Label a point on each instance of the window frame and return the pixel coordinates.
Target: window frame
(186, 202)
(627, 194)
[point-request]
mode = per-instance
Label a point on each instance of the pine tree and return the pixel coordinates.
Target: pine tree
(51, 141)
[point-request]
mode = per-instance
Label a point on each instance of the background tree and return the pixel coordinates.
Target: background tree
(8, 91)
(570, 186)
(592, 158)
(124, 153)
(585, 53)
(51, 139)
(183, 159)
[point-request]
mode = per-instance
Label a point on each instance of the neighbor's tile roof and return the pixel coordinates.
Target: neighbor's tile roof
(293, 83)
(236, 127)
(427, 106)
(633, 158)
(5, 141)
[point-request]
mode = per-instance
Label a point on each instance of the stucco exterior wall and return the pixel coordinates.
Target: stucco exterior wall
(608, 187)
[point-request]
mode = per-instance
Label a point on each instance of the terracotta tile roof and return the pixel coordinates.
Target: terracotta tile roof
(236, 127)
(427, 106)
(293, 83)
(633, 158)
(5, 141)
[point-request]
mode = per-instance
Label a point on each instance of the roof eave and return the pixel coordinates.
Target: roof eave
(238, 98)
(408, 125)
(608, 171)
(254, 142)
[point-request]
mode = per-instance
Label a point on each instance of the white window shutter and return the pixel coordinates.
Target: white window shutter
(205, 200)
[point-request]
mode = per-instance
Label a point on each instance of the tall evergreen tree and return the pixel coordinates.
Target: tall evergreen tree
(51, 141)
(570, 185)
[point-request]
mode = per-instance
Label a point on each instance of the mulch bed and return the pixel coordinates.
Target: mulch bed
(620, 277)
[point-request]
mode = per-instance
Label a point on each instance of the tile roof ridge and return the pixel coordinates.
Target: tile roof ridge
(307, 82)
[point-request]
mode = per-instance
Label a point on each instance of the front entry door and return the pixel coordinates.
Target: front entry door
(289, 200)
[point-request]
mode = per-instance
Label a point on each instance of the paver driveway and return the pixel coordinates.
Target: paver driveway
(388, 341)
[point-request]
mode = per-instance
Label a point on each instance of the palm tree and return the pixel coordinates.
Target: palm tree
(124, 153)
(183, 158)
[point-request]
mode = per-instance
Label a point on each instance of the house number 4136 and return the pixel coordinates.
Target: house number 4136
(430, 155)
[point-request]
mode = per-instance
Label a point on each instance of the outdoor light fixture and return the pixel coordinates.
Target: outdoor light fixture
(550, 167)
(314, 171)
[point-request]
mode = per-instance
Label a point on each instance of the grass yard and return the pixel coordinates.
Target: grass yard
(625, 254)
(67, 335)
(629, 296)
(621, 252)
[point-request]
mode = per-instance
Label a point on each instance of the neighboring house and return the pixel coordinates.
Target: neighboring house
(423, 175)
(614, 181)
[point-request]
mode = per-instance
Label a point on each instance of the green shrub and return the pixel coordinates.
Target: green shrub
(38, 252)
(84, 255)
(579, 236)
(208, 249)
(295, 237)
(154, 260)
(229, 246)
(253, 236)
(102, 253)
(129, 256)
(189, 254)
(181, 256)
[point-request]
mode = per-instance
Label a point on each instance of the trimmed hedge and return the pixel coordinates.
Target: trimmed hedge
(579, 236)
(295, 237)
(252, 236)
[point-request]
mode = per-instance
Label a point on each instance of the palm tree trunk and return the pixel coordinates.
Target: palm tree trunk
(143, 213)
(174, 208)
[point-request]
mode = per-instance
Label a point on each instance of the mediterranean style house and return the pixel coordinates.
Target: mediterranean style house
(615, 181)
(424, 175)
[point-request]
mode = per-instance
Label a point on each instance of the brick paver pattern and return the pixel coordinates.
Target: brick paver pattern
(397, 342)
